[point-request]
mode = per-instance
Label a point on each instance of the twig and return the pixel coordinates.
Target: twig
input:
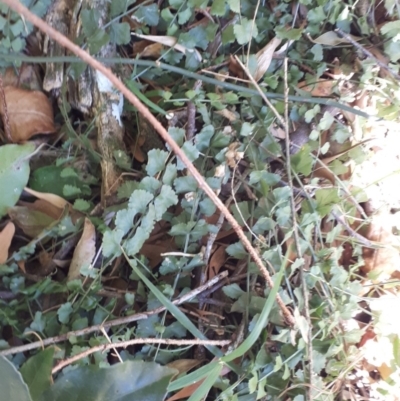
(86, 57)
(367, 53)
(6, 121)
(115, 322)
(124, 344)
(306, 310)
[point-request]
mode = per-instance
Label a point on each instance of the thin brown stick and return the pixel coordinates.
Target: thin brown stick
(86, 57)
(6, 121)
(124, 344)
(115, 322)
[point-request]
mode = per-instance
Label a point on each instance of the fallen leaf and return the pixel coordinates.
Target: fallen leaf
(84, 252)
(44, 207)
(169, 41)
(332, 39)
(264, 57)
(29, 220)
(324, 87)
(53, 199)
(28, 113)
(6, 236)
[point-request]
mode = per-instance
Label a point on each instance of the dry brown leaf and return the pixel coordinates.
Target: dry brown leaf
(152, 51)
(6, 236)
(217, 260)
(44, 207)
(84, 252)
(31, 221)
(324, 87)
(26, 76)
(184, 365)
(264, 57)
(28, 113)
(170, 41)
(53, 199)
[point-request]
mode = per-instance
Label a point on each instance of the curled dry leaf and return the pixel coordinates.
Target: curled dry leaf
(28, 113)
(53, 199)
(6, 236)
(332, 39)
(84, 252)
(264, 57)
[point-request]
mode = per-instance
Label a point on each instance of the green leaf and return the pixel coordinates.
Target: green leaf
(127, 381)
(184, 15)
(234, 5)
(291, 34)
(190, 151)
(157, 159)
(245, 31)
(134, 244)
(326, 121)
(90, 21)
(118, 7)
(139, 201)
(112, 243)
(165, 200)
(185, 184)
(64, 312)
(36, 372)
(120, 33)
(218, 8)
(302, 161)
(11, 383)
(14, 173)
(148, 14)
(247, 129)
(237, 250)
(326, 199)
(81, 205)
(124, 220)
(233, 291)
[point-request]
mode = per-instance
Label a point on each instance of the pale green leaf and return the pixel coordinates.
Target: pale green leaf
(164, 200)
(148, 14)
(12, 385)
(64, 312)
(14, 173)
(157, 159)
(112, 243)
(237, 250)
(245, 31)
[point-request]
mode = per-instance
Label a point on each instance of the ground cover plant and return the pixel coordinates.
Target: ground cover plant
(199, 200)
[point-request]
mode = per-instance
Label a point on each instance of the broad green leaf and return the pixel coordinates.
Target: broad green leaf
(112, 243)
(185, 184)
(124, 220)
(127, 381)
(218, 8)
(14, 173)
(164, 200)
(156, 162)
(120, 33)
(190, 151)
(11, 383)
(247, 129)
(118, 7)
(302, 161)
(139, 200)
(237, 250)
(291, 34)
(245, 31)
(64, 312)
(233, 291)
(234, 5)
(134, 244)
(36, 372)
(148, 14)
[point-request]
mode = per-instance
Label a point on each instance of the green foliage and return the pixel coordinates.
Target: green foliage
(12, 385)
(14, 30)
(14, 173)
